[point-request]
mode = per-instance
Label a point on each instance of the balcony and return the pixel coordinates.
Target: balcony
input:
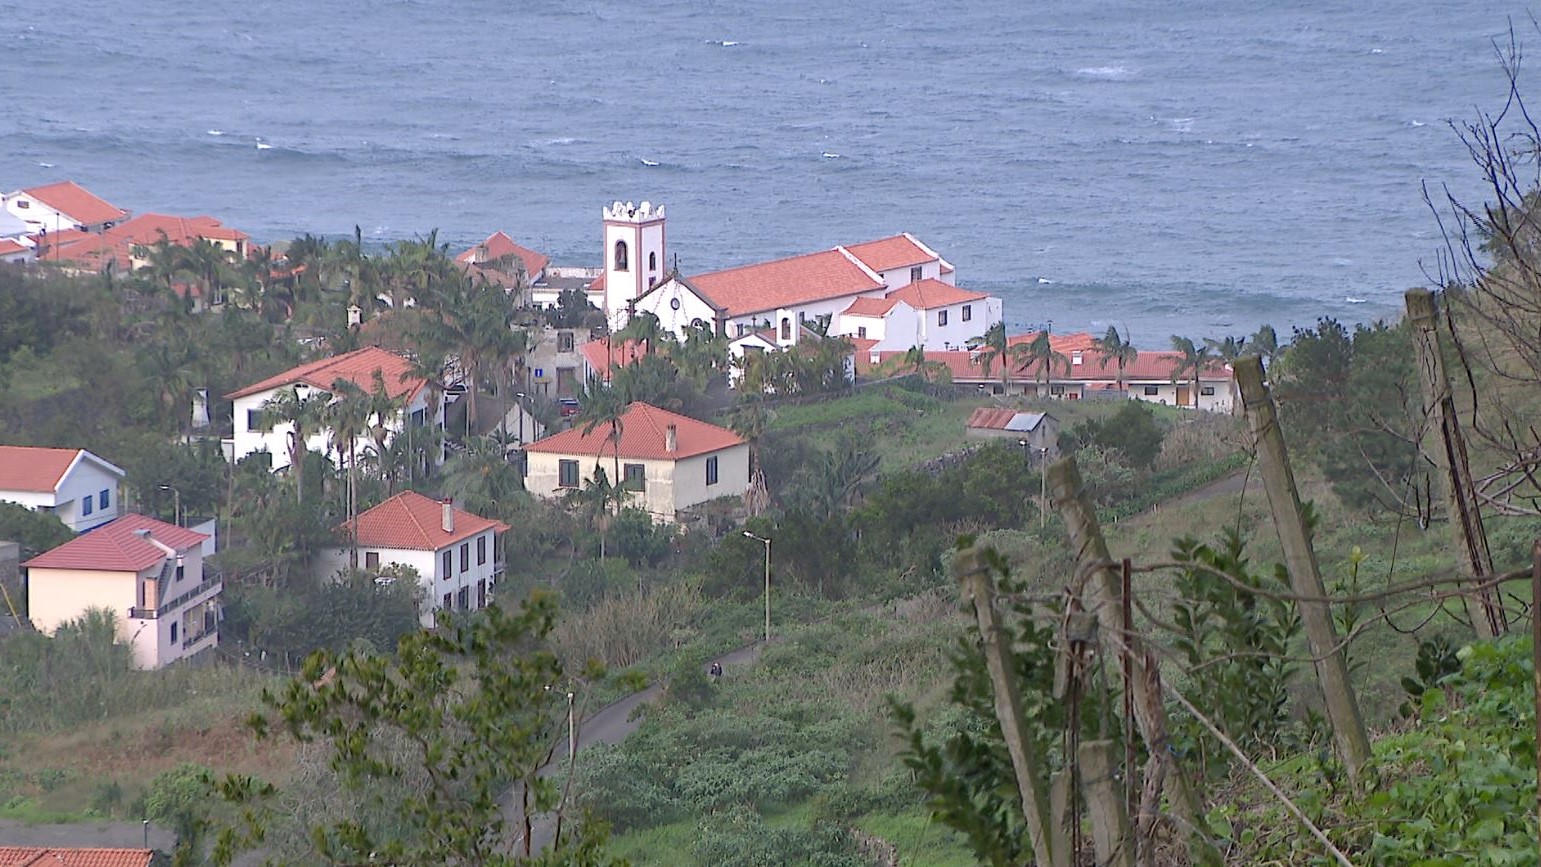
(175, 604)
(210, 632)
(499, 566)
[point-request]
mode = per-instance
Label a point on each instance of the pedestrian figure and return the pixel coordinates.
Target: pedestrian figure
(715, 670)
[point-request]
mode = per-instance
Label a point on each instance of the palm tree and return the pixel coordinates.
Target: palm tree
(1264, 344)
(1040, 354)
(1195, 357)
(1229, 349)
(171, 367)
(208, 262)
(163, 260)
(348, 417)
(643, 328)
(596, 499)
(749, 421)
(475, 324)
(702, 355)
(991, 347)
(1113, 347)
(599, 405)
(415, 269)
(303, 414)
(481, 477)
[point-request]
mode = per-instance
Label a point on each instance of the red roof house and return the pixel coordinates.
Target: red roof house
(54, 856)
(64, 205)
(671, 461)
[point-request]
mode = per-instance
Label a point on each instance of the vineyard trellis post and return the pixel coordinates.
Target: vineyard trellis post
(1304, 573)
(1098, 582)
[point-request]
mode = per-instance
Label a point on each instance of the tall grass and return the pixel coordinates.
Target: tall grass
(622, 630)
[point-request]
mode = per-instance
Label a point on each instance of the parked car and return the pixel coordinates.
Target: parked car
(569, 407)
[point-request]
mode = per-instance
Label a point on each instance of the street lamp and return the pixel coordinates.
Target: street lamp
(572, 731)
(176, 513)
(1043, 486)
(767, 579)
(519, 395)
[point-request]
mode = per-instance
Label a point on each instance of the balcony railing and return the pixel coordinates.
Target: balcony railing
(498, 566)
(153, 613)
(194, 639)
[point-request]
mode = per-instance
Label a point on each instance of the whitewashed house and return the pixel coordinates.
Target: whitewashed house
(672, 461)
(419, 406)
(56, 208)
(74, 485)
(148, 573)
(457, 555)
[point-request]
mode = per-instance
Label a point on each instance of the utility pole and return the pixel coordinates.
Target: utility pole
(1098, 579)
(1450, 457)
(1304, 573)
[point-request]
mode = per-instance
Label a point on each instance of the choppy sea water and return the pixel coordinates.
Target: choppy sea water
(1193, 167)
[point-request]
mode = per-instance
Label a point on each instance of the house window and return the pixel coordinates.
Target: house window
(464, 598)
(968, 312)
(23, 204)
(449, 601)
(635, 476)
(1075, 357)
(567, 474)
(941, 318)
(652, 261)
(481, 550)
(254, 419)
(861, 331)
(915, 273)
(711, 470)
(86, 504)
(103, 500)
(786, 329)
(1057, 390)
(481, 594)
(371, 560)
(1152, 390)
(465, 556)
(173, 633)
(620, 257)
(564, 341)
(1207, 391)
(449, 564)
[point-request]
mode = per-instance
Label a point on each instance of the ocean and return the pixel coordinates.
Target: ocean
(1191, 167)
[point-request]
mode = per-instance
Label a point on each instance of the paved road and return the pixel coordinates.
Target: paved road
(610, 725)
(108, 835)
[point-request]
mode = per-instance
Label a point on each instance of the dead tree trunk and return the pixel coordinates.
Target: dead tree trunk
(1098, 583)
(1305, 575)
(1449, 455)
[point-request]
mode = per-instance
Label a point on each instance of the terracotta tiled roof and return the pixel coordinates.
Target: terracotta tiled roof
(9, 247)
(499, 245)
(786, 283)
(117, 546)
(38, 856)
(76, 202)
(26, 468)
(886, 254)
(603, 360)
(643, 437)
(414, 522)
(927, 294)
(1151, 365)
(868, 306)
(992, 418)
(358, 367)
(598, 283)
(95, 250)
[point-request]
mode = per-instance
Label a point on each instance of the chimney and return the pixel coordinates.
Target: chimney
(671, 439)
(447, 516)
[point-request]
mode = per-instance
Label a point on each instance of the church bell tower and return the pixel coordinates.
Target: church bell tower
(634, 256)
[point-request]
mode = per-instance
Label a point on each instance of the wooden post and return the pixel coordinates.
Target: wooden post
(1450, 456)
(1305, 575)
(1105, 801)
(1097, 578)
(973, 573)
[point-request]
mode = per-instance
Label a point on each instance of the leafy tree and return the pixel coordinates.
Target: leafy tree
(602, 406)
(430, 741)
(36, 532)
(1228, 349)
(482, 478)
(1132, 430)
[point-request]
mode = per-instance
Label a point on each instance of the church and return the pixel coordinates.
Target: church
(891, 294)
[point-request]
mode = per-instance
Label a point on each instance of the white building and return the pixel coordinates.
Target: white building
(148, 573)
(456, 554)
(58, 207)
(781, 294)
(358, 367)
(74, 485)
(672, 461)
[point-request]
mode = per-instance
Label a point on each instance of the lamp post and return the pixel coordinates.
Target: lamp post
(176, 513)
(519, 396)
(1043, 486)
(572, 730)
(767, 543)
